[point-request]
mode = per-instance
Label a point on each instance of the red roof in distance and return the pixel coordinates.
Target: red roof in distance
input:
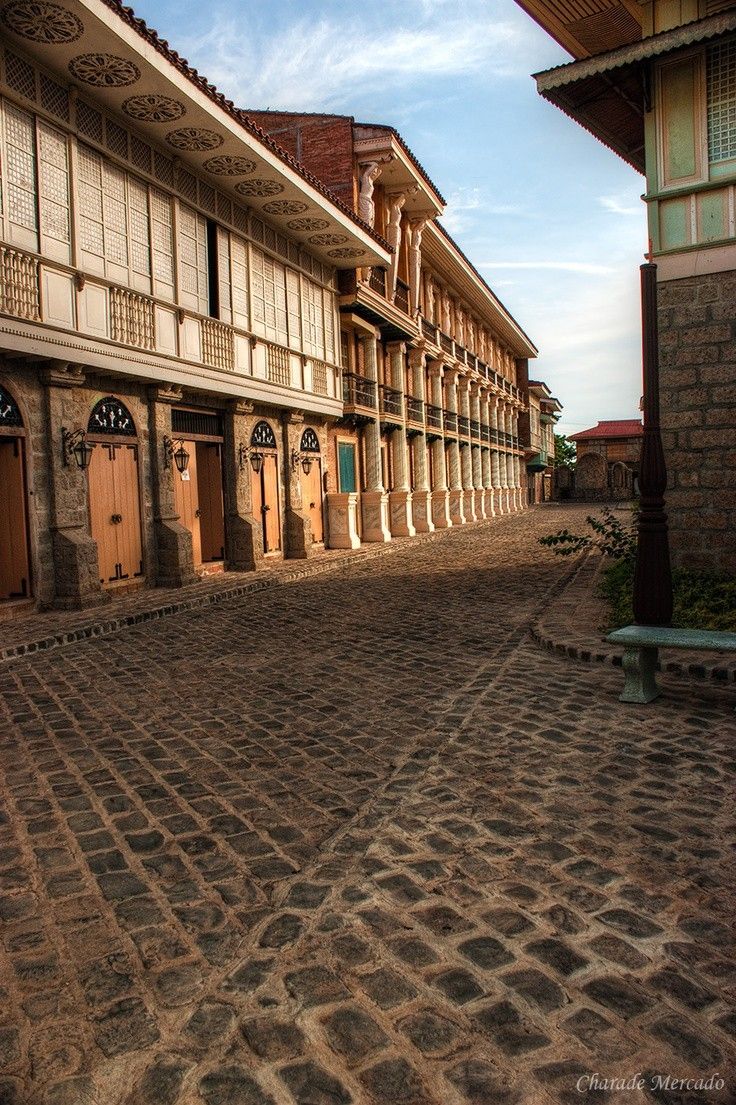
(624, 427)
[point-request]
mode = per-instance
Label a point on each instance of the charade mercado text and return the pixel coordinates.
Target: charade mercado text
(650, 1081)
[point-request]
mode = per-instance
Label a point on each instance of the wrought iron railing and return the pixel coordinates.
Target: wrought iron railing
(401, 297)
(434, 417)
(358, 391)
(414, 410)
(474, 428)
(377, 281)
(463, 425)
(485, 432)
(429, 330)
(389, 401)
(495, 437)
(450, 421)
(447, 343)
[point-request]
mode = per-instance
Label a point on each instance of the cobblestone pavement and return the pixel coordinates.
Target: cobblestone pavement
(360, 840)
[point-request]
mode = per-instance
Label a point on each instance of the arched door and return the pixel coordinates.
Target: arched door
(15, 574)
(265, 486)
(312, 484)
(114, 492)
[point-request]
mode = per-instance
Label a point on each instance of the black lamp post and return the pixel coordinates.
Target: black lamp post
(652, 575)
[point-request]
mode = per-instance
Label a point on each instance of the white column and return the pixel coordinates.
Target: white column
(509, 464)
(466, 462)
(487, 454)
(457, 513)
(374, 500)
(480, 506)
(421, 498)
(399, 499)
(440, 494)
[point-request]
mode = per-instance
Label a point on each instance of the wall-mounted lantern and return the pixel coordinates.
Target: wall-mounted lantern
(245, 454)
(74, 444)
(301, 458)
(174, 450)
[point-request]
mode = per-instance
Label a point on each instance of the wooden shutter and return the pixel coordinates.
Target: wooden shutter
(239, 277)
(346, 466)
(223, 275)
(20, 177)
(140, 236)
(54, 193)
(91, 232)
(162, 234)
(193, 284)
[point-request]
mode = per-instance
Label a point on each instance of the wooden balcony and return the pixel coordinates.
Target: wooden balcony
(434, 417)
(414, 412)
(475, 430)
(378, 281)
(390, 403)
(358, 391)
(447, 344)
(401, 296)
(429, 330)
(463, 426)
(450, 418)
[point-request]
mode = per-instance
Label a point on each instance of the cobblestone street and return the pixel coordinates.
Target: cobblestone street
(359, 839)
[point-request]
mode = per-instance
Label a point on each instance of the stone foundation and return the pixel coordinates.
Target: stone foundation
(697, 335)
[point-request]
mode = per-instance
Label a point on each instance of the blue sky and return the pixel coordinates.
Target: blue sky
(550, 217)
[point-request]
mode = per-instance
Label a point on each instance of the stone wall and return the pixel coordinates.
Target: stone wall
(697, 333)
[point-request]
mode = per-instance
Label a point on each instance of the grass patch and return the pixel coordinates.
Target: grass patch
(702, 600)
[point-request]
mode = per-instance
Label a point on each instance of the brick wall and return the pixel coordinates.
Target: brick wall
(323, 144)
(697, 332)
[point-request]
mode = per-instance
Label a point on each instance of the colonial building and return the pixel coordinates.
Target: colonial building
(607, 465)
(434, 366)
(656, 82)
(170, 355)
(537, 436)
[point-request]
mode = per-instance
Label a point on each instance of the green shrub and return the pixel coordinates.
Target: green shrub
(614, 538)
(702, 600)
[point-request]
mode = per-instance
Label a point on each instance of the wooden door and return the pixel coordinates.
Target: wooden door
(14, 567)
(211, 506)
(114, 510)
(101, 497)
(271, 514)
(186, 494)
(256, 489)
(128, 509)
(346, 466)
(312, 498)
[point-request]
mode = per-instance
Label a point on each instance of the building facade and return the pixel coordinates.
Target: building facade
(656, 82)
(537, 433)
(169, 337)
(607, 465)
(434, 366)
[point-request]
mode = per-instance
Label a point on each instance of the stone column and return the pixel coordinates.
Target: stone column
(421, 497)
(243, 534)
(440, 494)
(509, 459)
(400, 497)
(466, 460)
(518, 493)
(175, 562)
(480, 506)
(76, 571)
(497, 470)
(374, 500)
(298, 543)
(485, 455)
(457, 514)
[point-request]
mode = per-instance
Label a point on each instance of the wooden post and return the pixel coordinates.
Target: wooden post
(652, 576)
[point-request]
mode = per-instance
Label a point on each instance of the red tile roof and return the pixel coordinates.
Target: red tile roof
(624, 427)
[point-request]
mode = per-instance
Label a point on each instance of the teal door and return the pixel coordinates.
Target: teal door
(346, 466)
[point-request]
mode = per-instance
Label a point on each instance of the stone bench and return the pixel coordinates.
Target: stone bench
(641, 644)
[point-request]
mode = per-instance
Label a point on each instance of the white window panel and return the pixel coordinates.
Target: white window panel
(279, 276)
(329, 312)
(239, 276)
(258, 290)
(223, 275)
(721, 84)
(19, 172)
(162, 241)
(140, 237)
(193, 288)
(293, 309)
(54, 193)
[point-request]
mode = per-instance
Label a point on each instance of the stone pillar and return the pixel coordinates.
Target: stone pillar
(440, 494)
(457, 514)
(76, 571)
(497, 468)
(374, 500)
(175, 562)
(518, 492)
(243, 534)
(480, 506)
(509, 459)
(421, 497)
(400, 497)
(342, 518)
(486, 455)
(298, 543)
(466, 459)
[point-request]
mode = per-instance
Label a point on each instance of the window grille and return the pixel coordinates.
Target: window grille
(721, 79)
(116, 139)
(54, 192)
(54, 98)
(20, 76)
(89, 122)
(140, 153)
(192, 249)
(208, 423)
(239, 271)
(20, 177)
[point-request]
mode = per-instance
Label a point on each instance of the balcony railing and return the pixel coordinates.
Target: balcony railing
(485, 432)
(434, 417)
(474, 428)
(401, 298)
(450, 421)
(495, 437)
(377, 281)
(463, 425)
(430, 331)
(414, 410)
(447, 343)
(358, 391)
(389, 401)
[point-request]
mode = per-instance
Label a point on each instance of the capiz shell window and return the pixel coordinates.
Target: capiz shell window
(721, 84)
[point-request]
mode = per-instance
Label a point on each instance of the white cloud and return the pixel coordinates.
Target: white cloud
(324, 64)
(619, 205)
(587, 267)
(456, 216)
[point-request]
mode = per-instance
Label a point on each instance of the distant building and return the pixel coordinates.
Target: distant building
(537, 437)
(608, 459)
(656, 83)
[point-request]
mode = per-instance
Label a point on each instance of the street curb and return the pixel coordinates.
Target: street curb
(718, 672)
(265, 582)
